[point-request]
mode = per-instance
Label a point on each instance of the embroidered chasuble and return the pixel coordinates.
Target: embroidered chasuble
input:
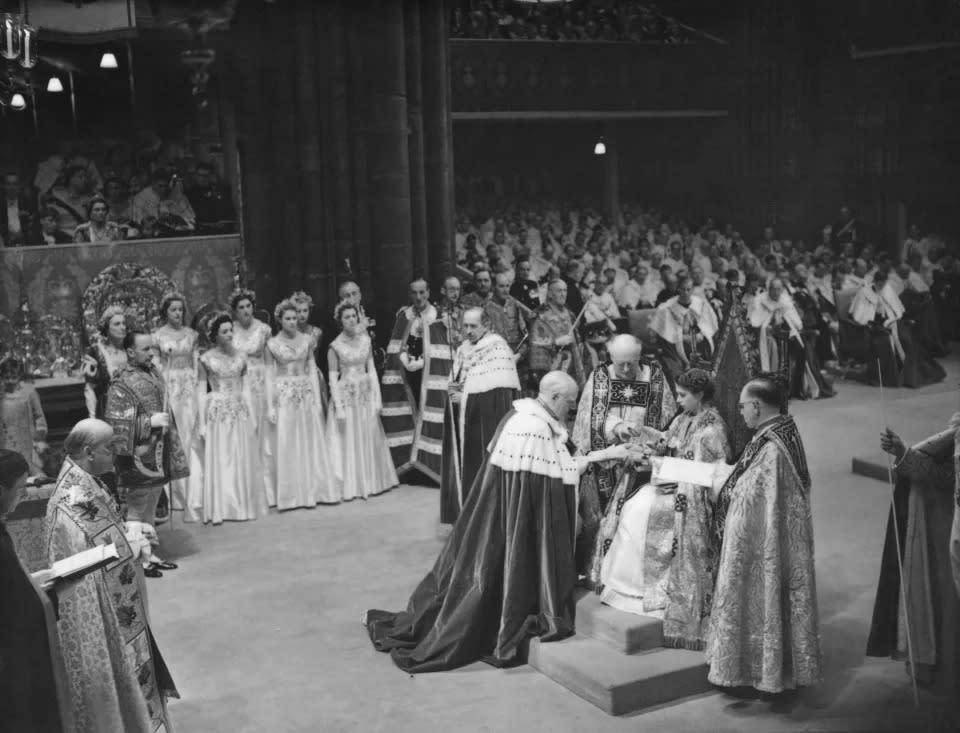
(118, 680)
(764, 630)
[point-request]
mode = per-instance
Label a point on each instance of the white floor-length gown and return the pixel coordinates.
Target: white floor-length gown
(252, 343)
(225, 474)
(178, 366)
(298, 441)
(361, 457)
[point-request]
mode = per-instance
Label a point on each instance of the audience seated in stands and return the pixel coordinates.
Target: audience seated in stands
(67, 181)
(575, 20)
(636, 260)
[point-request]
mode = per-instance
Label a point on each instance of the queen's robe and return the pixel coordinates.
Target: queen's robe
(607, 403)
(923, 502)
(118, 680)
(506, 572)
(764, 629)
(488, 375)
(656, 550)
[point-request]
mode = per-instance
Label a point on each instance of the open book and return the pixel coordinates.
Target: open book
(85, 562)
(711, 475)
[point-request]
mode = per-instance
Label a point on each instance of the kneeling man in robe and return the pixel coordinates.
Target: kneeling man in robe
(506, 572)
(656, 548)
(764, 629)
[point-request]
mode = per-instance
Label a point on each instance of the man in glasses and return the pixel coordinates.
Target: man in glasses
(764, 626)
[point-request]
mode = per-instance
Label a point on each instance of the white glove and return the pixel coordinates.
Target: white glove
(159, 420)
(138, 541)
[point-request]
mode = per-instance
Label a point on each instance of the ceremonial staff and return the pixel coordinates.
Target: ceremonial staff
(896, 535)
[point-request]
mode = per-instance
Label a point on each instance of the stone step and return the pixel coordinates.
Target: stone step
(872, 467)
(618, 683)
(628, 633)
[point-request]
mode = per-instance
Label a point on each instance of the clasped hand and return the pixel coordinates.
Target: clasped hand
(160, 420)
(892, 444)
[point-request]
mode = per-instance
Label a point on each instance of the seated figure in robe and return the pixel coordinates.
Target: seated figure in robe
(877, 306)
(620, 401)
(780, 324)
(685, 326)
(655, 549)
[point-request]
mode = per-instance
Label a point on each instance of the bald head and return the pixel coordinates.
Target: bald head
(555, 383)
(85, 434)
(624, 347)
(90, 446)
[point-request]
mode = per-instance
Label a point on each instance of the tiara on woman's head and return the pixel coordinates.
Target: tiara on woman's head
(301, 297)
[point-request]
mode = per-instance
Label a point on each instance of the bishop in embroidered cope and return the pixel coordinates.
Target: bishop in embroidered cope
(618, 400)
(764, 621)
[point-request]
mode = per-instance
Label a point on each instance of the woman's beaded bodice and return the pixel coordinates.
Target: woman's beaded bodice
(251, 341)
(177, 348)
(354, 385)
(224, 371)
(353, 356)
(291, 355)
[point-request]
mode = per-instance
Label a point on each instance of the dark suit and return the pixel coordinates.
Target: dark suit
(26, 222)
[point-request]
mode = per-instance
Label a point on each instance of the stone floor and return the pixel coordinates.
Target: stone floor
(261, 625)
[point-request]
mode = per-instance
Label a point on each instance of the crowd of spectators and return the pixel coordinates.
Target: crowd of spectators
(618, 20)
(645, 257)
(96, 193)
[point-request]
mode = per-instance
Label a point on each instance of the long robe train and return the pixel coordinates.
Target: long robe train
(483, 414)
(505, 574)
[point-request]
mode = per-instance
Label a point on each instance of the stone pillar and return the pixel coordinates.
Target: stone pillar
(611, 173)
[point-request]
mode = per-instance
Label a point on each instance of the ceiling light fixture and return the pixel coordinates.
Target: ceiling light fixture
(108, 61)
(54, 85)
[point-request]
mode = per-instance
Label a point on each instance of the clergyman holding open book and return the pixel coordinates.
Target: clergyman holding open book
(118, 679)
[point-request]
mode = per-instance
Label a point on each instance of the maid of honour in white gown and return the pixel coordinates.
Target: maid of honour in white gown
(179, 356)
(298, 442)
(361, 457)
(226, 481)
(250, 337)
